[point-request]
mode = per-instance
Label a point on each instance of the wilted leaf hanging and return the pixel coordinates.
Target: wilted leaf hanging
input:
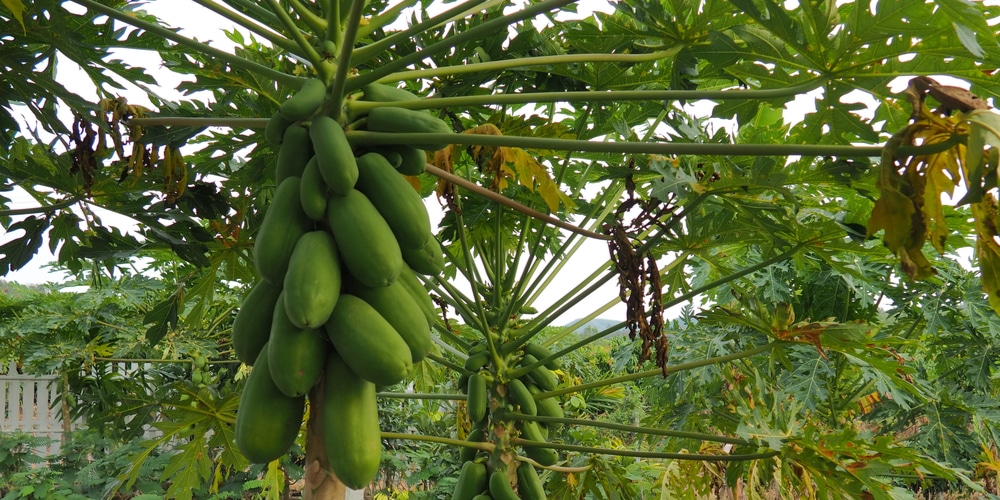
(909, 209)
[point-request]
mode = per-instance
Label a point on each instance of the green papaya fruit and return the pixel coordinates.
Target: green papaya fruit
(367, 342)
(252, 325)
(294, 153)
(396, 305)
(334, 156)
(295, 355)
(471, 481)
(419, 294)
(349, 414)
(267, 421)
(305, 102)
(478, 397)
(312, 282)
(313, 192)
(284, 223)
(427, 260)
(399, 204)
(366, 243)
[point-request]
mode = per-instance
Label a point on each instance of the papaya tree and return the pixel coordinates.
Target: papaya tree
(655, 128)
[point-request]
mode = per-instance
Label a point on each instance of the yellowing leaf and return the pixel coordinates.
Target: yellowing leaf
(509, 163)
(987, 249)
(17, 9)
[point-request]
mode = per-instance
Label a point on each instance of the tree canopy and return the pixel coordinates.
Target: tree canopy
(832, 339)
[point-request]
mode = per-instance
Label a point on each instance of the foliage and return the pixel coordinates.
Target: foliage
(801, 352)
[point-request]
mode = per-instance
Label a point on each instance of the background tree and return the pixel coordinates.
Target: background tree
(806, 363)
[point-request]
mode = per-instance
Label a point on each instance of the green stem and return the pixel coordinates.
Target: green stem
(421, 395)
(364, 138)
(459, 301)
(553, 266)
(592, 96)
(456, 40)
(593, 338)
(524, 62)
(656, 371)
(644, 454)
(451, 335)
(261, 30)
(293, 29)
(363, 54)
(385, 17)
(344, 59)
(238, 62)
(43, 209)
(629, 428)
(579, 323)
(435, 439)
(446, 363)
(479, 320)
(567, 301)
(333, 26)
(254, 11)
(316, 23)
(508, 284)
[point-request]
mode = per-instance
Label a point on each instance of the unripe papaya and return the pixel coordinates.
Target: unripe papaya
(394, 303)
(378, 92)
(252, 325)
(500, 488)
(412, 161)
(477, 398)
(520, 396)
(275, 129)
(476, 360)
(305, 102)
(367, 342)
(334, 156)
(294, 153)
(365, 241)
(401, 120)
(471, 481)
(427, 260)
(529, 485)
(419, 293)
(349, 414)
(542, 353)
(540, 375)
(548, 407)
(267, 421)
(540, 454)
(295, 355)
(313, 191)
(467, 454)
(312, 282)
(283, 225)
(396, 200)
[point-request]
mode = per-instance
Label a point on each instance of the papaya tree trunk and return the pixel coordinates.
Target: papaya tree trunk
(320, 482)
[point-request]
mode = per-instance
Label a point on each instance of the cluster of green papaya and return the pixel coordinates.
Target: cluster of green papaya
(475, 481)
(199, 375)
(338, 303)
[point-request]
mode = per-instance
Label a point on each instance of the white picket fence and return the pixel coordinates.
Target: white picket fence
(26, 405)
